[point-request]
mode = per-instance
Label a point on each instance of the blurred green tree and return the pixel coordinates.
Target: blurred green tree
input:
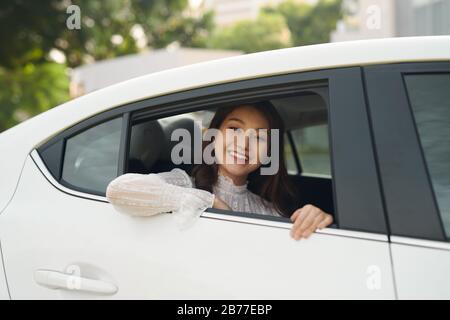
(32, 82)
(289, 23)
(29, 90)
(28, 31)
(32, 28)
(166, 21)
(108, 28)
(269, 31)
(309, 24)
(29, 82)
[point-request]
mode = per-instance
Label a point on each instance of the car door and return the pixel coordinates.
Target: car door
(62, 239)
(410, 110)
(4, 294)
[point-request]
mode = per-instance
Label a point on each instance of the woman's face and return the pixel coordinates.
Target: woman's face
(241, 154)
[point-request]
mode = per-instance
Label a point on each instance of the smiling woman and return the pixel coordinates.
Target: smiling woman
(238, 162)
(235, 181)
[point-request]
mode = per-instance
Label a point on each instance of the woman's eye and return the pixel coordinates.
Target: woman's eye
(235, 129)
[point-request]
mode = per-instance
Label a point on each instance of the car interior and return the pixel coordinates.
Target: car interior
(150, 143)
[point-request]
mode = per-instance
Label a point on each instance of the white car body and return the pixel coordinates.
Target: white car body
(48, 230)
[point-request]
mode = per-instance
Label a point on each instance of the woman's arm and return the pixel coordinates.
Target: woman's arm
(146, 195)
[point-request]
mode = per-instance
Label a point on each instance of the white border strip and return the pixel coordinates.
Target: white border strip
(256, 221)
(420, 243)
(288, 225)
(37, 159)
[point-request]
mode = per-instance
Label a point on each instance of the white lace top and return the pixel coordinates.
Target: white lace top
(239, 198)
(145, 195)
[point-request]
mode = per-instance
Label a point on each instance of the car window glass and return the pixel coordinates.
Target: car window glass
(313, 150)
(305, 116)
(91, 157)
(429, 96)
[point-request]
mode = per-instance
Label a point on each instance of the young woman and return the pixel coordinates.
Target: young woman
(234, 182)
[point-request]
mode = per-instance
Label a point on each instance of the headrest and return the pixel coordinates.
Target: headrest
(147, 142)
(184, 123)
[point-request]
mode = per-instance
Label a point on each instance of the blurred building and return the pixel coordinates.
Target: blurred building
(91, 77)
(423, 17)
(368, 19)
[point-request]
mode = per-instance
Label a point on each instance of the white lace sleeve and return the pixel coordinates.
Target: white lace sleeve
(177, 177)
(147, 195)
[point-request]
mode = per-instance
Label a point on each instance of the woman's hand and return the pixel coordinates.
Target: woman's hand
(219, 204)
(307, 220)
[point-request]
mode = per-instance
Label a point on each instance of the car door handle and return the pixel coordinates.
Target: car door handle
(60, 280)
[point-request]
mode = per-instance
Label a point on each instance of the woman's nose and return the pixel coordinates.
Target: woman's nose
(244, 142)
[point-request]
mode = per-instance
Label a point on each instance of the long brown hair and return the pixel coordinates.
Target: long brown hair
(276, 188)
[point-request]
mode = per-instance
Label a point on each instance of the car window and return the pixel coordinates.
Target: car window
(151, 145)
(91, 157)
(307, 148)
(313, 150)
(151, 141)
(289, 154)
(429, 96)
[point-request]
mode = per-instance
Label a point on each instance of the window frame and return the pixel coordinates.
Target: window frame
(397, 140)
(324, 94)
(347, 120)
(297, 159)
(53, 151)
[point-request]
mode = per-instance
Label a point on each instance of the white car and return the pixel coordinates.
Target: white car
(368, 127)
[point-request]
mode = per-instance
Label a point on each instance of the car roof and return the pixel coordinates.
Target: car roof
(20, 140)
(249, 66)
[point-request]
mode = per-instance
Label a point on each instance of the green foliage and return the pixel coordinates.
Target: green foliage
(31, 83)
(100, 21)
(309, 24)
(164, 22)
(269, 31)
(28, 30)
(288, 24)
(30, 90)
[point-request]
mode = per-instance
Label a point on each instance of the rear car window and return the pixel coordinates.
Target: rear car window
(429, 95)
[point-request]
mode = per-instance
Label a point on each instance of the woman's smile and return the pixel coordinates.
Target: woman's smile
(238, 157)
